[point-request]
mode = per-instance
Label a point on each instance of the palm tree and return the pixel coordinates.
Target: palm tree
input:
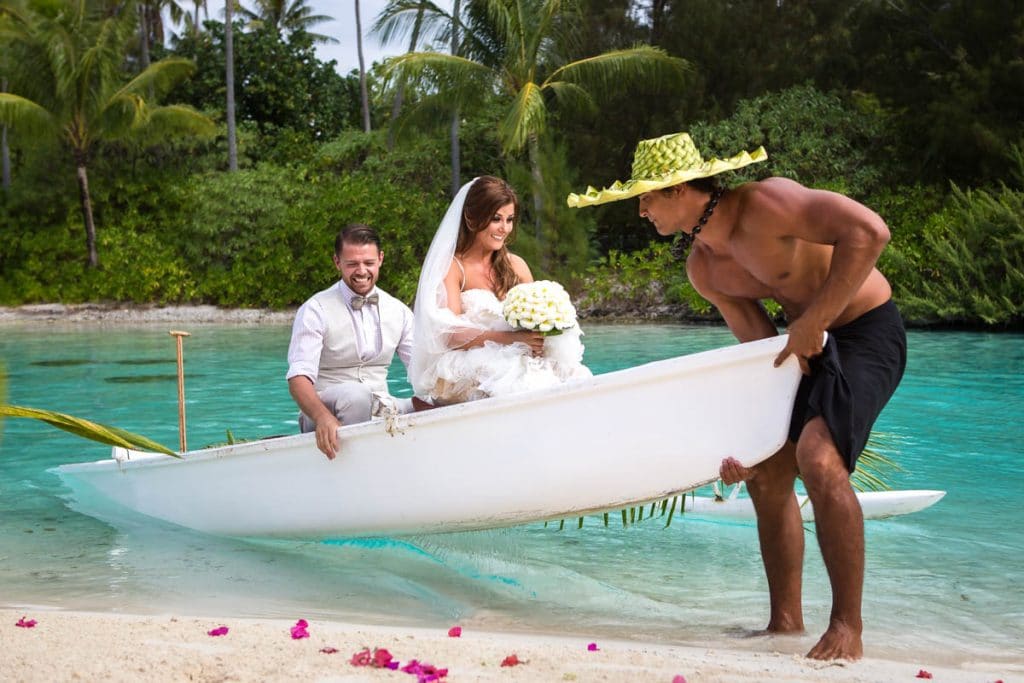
(229, 83)
(513, 48)
(5, 150)
(364, 95)
(288, 16)
(72, 87)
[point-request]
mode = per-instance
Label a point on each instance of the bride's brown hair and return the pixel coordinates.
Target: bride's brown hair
(484, 198)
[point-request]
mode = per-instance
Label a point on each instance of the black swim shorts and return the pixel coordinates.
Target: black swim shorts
(853, 379)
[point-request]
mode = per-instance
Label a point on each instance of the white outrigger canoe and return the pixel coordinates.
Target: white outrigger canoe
(607, 442)
(874, 504)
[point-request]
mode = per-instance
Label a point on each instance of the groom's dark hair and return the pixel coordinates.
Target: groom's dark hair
(356, 234)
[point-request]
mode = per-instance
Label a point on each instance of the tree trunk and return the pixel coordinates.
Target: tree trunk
(657, 20)
(456, 152)
(538, 189)
(144, 35)
(5, 150)
(83, 195)
(362, 72)
(229, 79)
(396, 105)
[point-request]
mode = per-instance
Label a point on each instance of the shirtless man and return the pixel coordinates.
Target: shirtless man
(814, 252)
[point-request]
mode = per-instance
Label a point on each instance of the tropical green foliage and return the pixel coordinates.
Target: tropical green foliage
(67, 83)
(909, 108)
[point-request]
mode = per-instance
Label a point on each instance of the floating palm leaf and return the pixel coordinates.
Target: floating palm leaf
(112, 436)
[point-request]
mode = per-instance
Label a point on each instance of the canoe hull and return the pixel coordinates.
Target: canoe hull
(874, 504)
(594, 444)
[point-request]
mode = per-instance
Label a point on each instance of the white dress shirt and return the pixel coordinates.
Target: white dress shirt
(308, 334)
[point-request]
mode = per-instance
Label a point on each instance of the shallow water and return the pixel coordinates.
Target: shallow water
(944, 583)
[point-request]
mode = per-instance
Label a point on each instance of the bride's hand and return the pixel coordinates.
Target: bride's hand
(535, 340)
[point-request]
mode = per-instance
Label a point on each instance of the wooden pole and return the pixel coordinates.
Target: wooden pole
(177, 334)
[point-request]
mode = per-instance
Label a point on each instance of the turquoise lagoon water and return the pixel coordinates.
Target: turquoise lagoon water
(944, 583)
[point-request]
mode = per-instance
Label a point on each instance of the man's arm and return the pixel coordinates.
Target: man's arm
(304, 393)
(303, 362)
(746, 318)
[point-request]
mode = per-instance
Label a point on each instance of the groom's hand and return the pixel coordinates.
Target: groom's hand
(327, 435)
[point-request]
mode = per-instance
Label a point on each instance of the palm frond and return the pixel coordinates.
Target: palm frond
(159, 77)
(608, 71)
(396, 20)
(112, 436)
(573, 96)
(176, 121)
(528, 116)
(22, 114)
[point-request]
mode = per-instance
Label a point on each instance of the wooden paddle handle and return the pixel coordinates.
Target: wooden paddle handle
(178, 335)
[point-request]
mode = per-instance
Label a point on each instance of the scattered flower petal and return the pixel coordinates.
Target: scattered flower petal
(299, 630)
(26, 623)
(362, 658)
(219, 631)
(679, 678)
(592, 647)
(921, 673)
(511, 660)
(329, 650)
(381, 658)
(455, 632)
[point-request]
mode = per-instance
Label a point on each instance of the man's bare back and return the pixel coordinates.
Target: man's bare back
(773, 239)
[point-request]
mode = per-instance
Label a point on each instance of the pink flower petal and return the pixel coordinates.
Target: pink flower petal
(679, 678)
(921, 673)
(219, 631)
(511, 660)
(329, 650)
(455, 632)
(381, 658)
(26, 623)
(593, 647)
(299, 630)
(362, 658)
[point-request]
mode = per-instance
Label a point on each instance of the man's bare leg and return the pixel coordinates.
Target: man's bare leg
(780, 532)
(839, 522)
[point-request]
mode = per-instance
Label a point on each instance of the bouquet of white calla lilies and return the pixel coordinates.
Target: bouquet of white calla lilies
(543, 306)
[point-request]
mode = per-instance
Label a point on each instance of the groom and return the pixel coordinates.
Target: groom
(343, 341)
(813, 252)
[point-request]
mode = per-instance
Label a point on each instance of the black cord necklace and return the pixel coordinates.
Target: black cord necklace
(683, 241)
(716, 195)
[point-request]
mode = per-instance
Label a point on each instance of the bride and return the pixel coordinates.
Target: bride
(463, 348)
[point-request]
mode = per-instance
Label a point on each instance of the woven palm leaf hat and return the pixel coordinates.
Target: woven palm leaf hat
(664, 162)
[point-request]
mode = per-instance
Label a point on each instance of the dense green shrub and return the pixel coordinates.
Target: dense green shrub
(972, 265)
(812, 137)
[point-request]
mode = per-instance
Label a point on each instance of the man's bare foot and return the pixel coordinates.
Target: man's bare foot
(785, 626)
(733, 472)
(838, 642)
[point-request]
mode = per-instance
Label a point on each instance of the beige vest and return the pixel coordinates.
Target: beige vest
(339, 360)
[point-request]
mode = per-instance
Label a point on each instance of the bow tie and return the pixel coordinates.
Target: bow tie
(359, 301)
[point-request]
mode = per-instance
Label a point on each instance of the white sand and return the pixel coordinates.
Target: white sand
(66, 646)
(120, 314)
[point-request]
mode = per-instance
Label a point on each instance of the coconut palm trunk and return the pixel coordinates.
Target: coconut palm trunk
(396, 105)
(86, 201)
(144, 34)
(229, 80)
(533, 149)
(5, 150)
(364, 94)
(454, 133)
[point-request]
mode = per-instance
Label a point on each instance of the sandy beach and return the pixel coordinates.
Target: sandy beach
(77, 646)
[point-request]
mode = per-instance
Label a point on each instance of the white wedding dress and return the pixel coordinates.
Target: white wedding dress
(441, 370)
(499, 369)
